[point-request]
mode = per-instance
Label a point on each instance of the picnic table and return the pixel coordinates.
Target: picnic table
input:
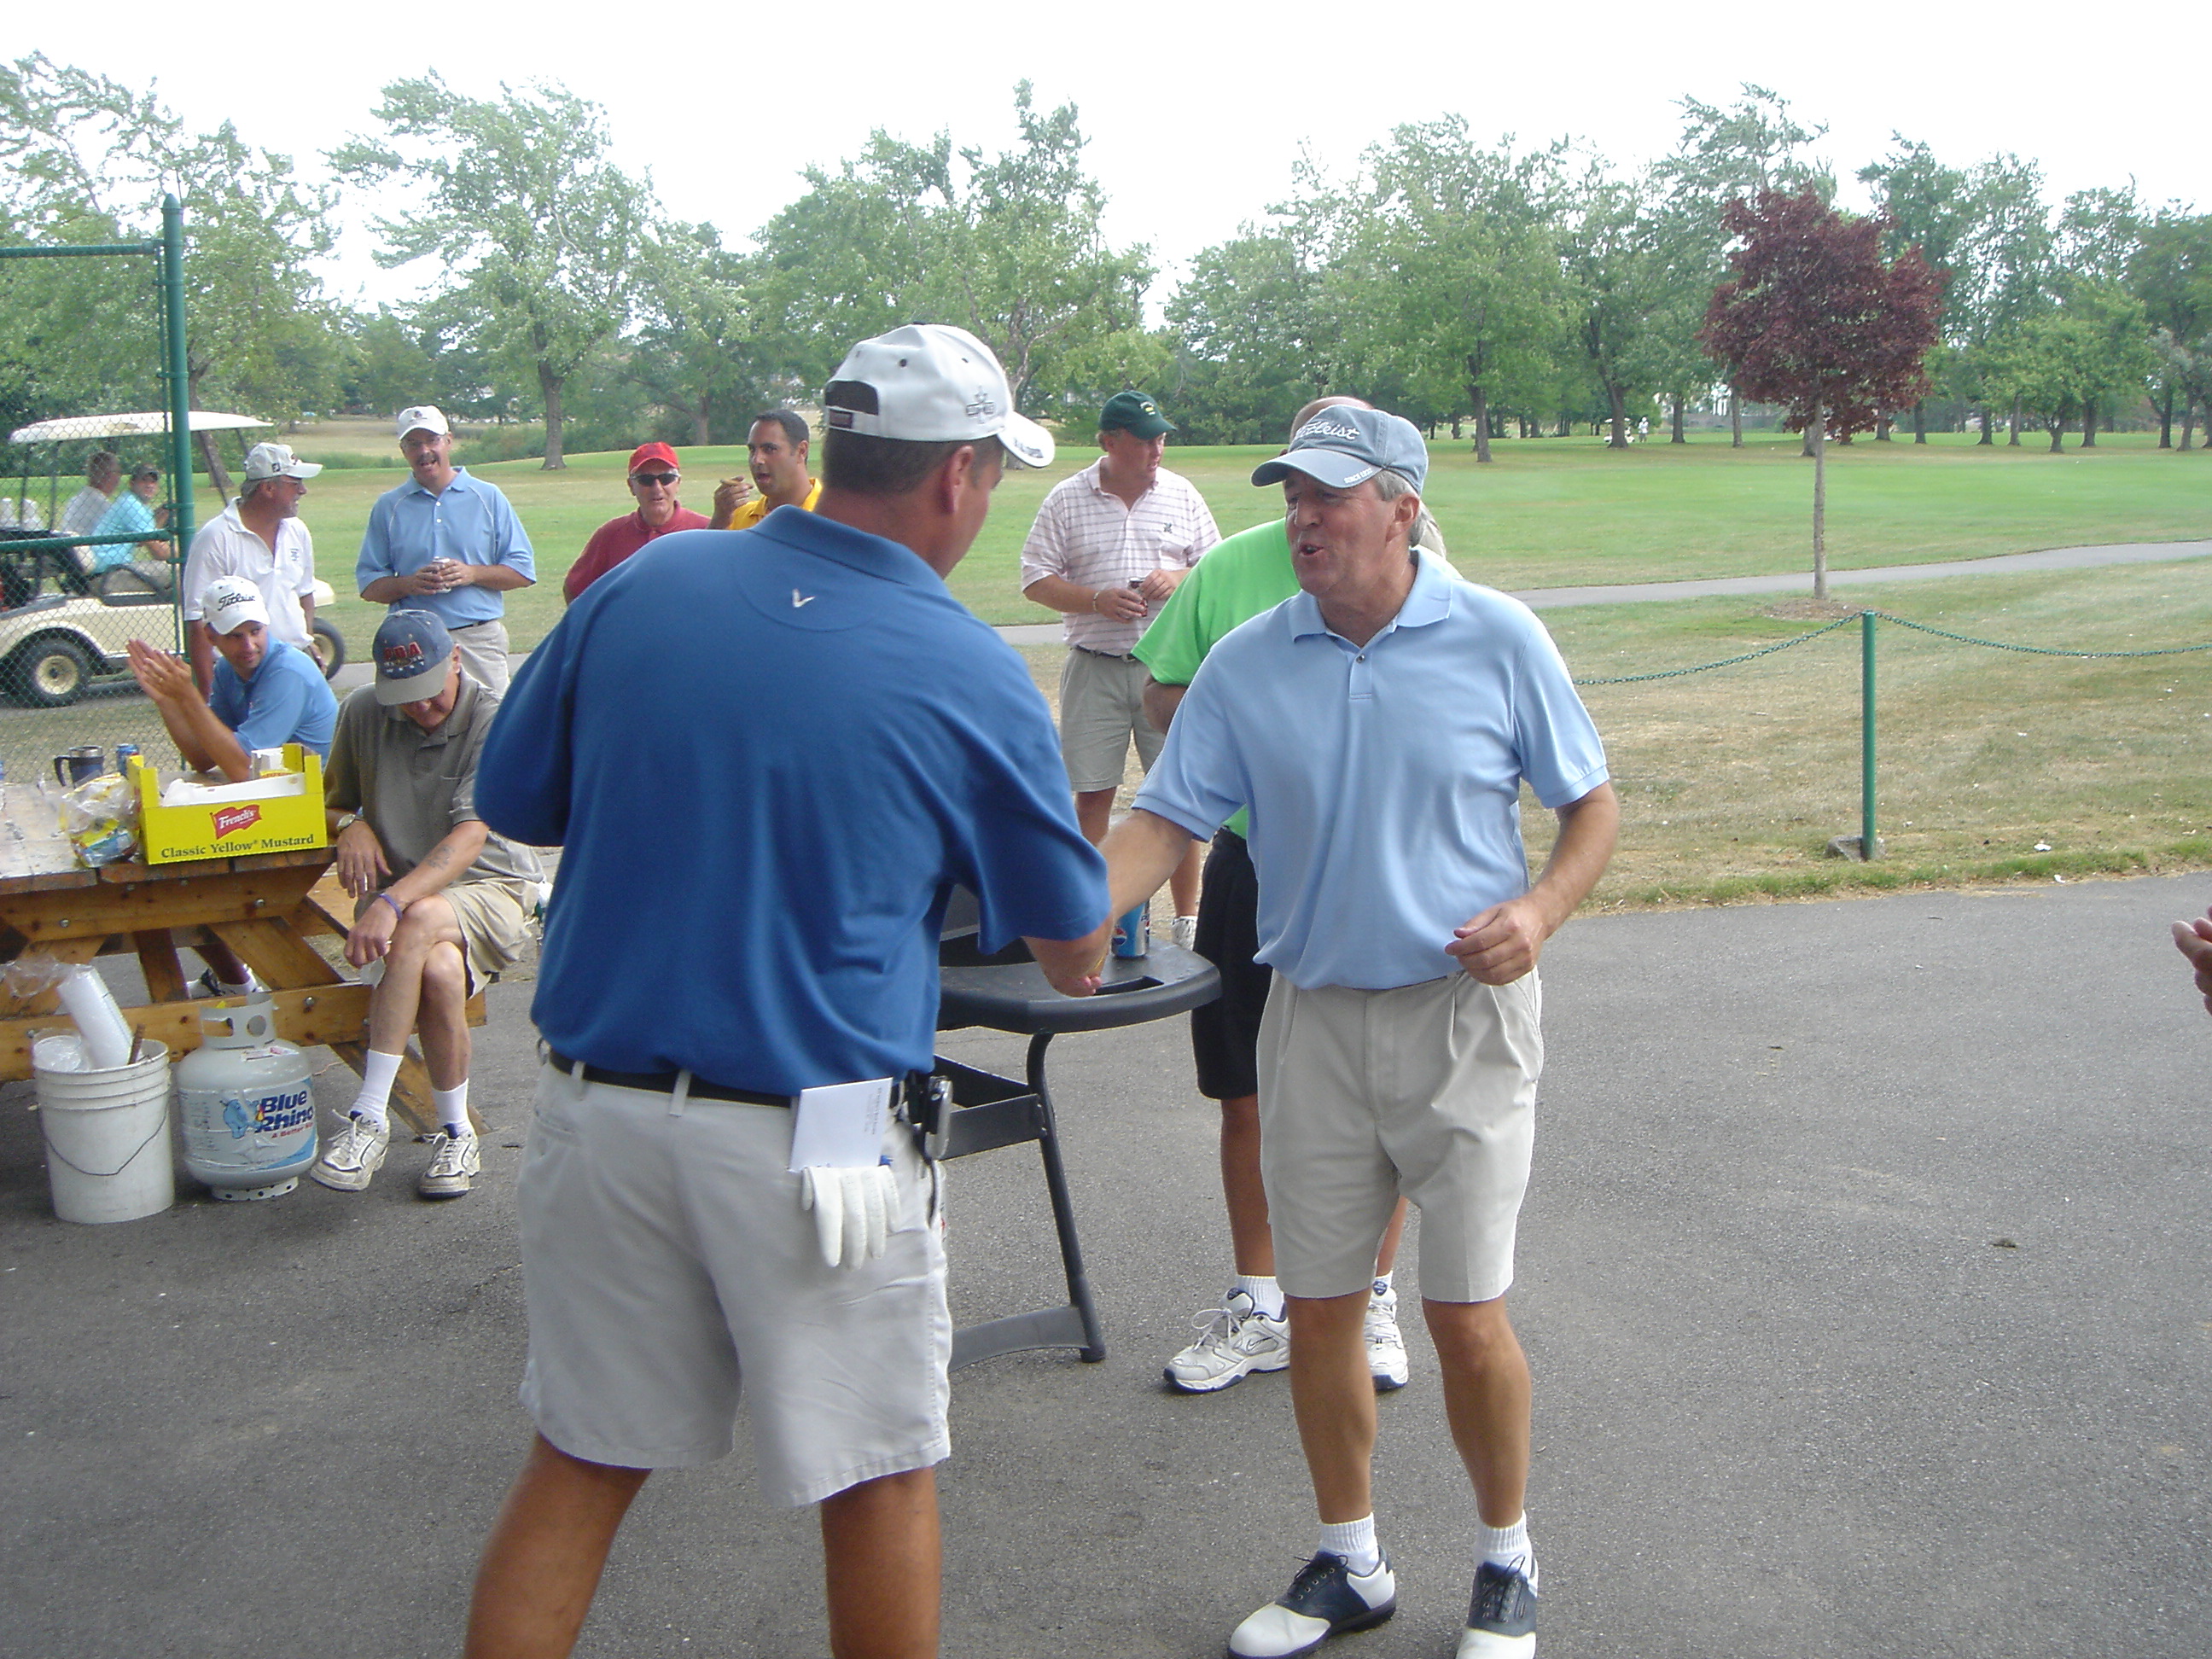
(269, 907)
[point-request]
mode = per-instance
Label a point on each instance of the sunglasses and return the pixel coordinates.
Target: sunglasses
(654, 477)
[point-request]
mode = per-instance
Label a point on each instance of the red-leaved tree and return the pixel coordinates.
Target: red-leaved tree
(1814, 321)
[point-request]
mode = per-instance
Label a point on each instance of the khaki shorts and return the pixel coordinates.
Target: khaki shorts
(493, 920)
(666, 1265)
(483, 653)
(1102, 707)
(1427, 1090)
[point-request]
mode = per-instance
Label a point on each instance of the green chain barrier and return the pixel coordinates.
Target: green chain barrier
(1869, 844)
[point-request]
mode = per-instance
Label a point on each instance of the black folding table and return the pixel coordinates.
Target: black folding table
(1008, 992)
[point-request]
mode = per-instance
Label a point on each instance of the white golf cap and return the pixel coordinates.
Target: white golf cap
(277, 461)
(424, 417)
(931, 383)
(227, 602)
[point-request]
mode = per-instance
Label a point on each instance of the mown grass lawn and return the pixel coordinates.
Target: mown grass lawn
(1991, 765)
(1548, 513)
(1733, 780)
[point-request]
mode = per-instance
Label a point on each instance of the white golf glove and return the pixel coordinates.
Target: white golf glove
(853, 1210)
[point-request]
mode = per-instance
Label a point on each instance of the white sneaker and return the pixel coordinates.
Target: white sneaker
(1238, 1339)
(1185, 930)
(350, 1157)
(455, 1162)
(1386, 1349)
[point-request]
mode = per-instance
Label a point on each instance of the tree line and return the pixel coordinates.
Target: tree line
(1490, 289)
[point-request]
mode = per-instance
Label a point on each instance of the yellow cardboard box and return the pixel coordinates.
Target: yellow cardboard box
(229, 830)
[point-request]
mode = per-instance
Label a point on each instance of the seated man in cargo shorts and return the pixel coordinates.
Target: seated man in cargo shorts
(442, 903)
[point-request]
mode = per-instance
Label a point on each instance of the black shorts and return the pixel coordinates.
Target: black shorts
(1224, 1034)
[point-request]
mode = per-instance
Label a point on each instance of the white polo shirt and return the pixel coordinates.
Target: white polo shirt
(1085, 534)
(224, 547)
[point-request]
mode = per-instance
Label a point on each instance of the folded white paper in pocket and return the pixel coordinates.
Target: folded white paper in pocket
(840, 1125)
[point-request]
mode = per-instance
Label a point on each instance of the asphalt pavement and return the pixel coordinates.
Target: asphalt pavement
(1864, 1274)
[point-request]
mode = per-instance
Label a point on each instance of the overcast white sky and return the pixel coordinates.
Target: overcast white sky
(1195, 112)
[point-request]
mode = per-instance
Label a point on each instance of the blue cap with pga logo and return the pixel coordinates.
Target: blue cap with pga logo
(1343, 448)
(411, 649)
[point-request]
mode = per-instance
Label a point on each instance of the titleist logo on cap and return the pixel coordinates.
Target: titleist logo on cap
(1322, 426)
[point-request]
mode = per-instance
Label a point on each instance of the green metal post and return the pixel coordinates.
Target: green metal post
(179, 379)
(1868, 843)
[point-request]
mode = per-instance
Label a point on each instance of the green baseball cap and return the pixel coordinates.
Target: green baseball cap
(1133, 412)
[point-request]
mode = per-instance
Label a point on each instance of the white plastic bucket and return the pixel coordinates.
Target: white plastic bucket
(108, 1139)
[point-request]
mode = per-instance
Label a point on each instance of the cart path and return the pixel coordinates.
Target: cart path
(2003, 564)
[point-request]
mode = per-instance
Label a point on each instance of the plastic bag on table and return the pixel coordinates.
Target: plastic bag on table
(100, 818)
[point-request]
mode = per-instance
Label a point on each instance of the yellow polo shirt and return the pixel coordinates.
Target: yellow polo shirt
(756, 509)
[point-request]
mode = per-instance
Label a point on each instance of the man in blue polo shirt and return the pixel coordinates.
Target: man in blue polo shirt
(1379, 725)
(265, 694)
(448, 543)
(821, 743)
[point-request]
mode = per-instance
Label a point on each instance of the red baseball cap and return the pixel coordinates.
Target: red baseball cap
(660, 452)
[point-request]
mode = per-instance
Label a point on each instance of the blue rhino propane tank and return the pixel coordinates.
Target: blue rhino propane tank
(247, 1106)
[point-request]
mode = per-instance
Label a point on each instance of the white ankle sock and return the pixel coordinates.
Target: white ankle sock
(454, 1108)
(1508, 1547)
(379, 1072)
(1355, 1542)
(1266, 1295)
(1380, 1286)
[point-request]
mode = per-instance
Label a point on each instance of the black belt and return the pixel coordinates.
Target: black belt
(662, 1083)
(1111, 656)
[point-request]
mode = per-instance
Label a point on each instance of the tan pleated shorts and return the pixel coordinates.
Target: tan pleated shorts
(1427, 1089)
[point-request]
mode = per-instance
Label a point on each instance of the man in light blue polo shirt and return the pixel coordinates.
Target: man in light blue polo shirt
(265, 694)
(448, 543)
(1379, 725)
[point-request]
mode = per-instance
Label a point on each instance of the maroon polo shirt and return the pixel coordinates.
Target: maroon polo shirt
(615, 541)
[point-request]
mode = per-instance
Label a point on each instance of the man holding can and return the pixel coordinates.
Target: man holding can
(1106, 548)
(1379, 725)
(448, 543)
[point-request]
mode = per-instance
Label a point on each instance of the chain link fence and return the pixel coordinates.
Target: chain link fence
(95, 494)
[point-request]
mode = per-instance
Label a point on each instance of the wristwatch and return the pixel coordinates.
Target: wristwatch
(346, 821)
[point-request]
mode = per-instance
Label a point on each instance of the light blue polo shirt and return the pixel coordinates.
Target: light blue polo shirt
(129, 517)
(287, 701)
(1384, 780)
(469, 521)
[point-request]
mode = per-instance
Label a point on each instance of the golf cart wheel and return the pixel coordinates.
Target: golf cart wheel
(328, 645)
(51, 673)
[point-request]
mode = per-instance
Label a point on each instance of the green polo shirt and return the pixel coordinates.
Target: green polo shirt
(1240, 577)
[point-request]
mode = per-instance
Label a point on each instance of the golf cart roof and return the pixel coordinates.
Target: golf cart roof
(126, 426)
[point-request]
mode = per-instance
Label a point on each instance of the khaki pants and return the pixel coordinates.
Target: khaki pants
(483, 654)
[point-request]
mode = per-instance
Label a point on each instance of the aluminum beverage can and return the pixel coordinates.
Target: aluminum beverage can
(1133, 933)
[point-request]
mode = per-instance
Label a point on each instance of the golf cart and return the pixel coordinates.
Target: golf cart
(65, 620)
